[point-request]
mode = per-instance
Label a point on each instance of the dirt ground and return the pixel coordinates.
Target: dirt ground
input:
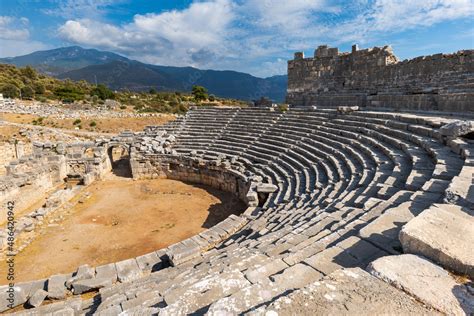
(123, 219)
(102, 125)
(7, 133)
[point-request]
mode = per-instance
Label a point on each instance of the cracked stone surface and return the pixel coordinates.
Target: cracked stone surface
(443, 233)
(425, 281)
(350, 291)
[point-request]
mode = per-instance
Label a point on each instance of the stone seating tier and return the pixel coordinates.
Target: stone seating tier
(346, 186)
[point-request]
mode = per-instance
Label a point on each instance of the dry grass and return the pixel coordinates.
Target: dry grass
(102, 125)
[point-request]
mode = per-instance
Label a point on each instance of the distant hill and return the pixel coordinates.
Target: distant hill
(56, 61)
(120, 73)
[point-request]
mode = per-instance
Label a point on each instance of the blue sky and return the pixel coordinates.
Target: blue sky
(255, 36)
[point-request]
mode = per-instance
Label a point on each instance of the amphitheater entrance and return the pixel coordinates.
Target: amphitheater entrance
(119, 156)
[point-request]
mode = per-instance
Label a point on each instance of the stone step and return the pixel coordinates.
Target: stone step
(427, 282)
(346, 292)
(444, 234)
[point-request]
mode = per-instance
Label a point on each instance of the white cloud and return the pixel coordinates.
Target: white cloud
(259, 34)
(173, 37)
(70, 9)
(282, 14)
(393, 16)
(15, 37)
(12, 28)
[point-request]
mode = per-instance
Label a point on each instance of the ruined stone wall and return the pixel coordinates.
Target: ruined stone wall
(218, 175)
(375, 78)
(29, 178)
(12, 151)
(87, 160)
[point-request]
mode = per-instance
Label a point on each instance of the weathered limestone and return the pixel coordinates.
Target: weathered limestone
(295, 276)
(11, 297)
(347, 292)
(266, 188)
(457, 128)
(82, 286)
(37, 298)
(128, 270)
(107, 271)
(326, 192)
(263, 272)
(375, 77)
(443, 233)
(201, 294)
(425, 281)
(57, 286)
(384, 230)
(460, 190)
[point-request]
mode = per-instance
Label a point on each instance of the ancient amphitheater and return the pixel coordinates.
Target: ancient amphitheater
(350, 210)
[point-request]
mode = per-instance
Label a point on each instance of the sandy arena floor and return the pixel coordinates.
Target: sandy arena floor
(123, 219)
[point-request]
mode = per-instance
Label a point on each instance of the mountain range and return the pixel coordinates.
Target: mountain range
(120, 73)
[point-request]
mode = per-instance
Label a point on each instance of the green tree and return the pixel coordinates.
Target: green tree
(39, 88)
(69, 93)
(29, 72)
(9, 90)
(212, 98)
(103, 92)
(199, 93)
(27, 92)
(152, 91)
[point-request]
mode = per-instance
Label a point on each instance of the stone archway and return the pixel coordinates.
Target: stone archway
(119, 156)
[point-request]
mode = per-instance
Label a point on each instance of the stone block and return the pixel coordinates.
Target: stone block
(149, 262)
(460, 190)
(332, 259)
(84, 272)
(37, 298)
(425, 281)
(11, 297)
(347, 292)
(266, 188)
(57, 286)
(295, 276)
(261, 273)
(107, 271)
(82, 286)
(444, 233)
(457, 128)
(128, 270)
(384, 231)
(245, 299)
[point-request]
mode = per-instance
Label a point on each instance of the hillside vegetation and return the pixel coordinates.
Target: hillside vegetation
(27, 83)
(120, 73)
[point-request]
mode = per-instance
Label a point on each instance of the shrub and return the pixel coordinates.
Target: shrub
(199, 93)
(76, 122)
(9, 90)
(41, 99)
(27, 92)
(93, 124)
(283, 107)
(103, 92)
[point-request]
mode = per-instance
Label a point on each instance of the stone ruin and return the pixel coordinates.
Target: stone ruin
(339, 202)
(375, 78)
(349, 210)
